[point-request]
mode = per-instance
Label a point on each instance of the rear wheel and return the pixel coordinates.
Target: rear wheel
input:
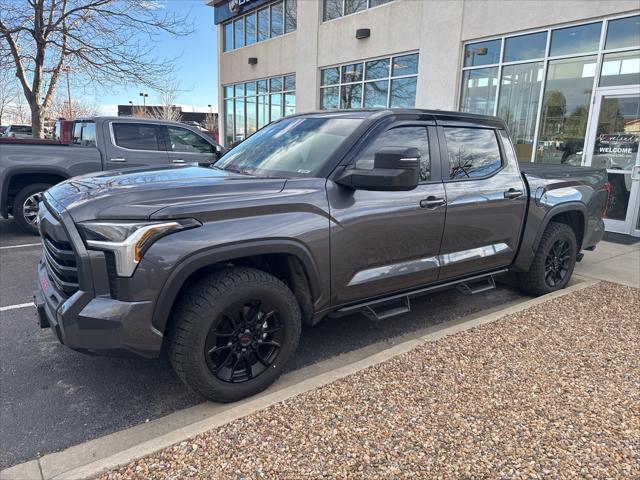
(25, 206)
(233, 332)
(554, 261)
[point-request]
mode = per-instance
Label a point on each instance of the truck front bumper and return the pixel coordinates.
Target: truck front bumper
(87, 318)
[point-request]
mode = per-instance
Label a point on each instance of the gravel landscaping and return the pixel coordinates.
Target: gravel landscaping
(549, 392)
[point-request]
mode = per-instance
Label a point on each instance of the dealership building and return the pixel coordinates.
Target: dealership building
(564, 75)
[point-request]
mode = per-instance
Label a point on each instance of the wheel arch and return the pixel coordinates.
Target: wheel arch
(12, 182)
(573, 215)
(287, 260)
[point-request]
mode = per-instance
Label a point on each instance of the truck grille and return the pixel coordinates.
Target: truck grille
(60, 261)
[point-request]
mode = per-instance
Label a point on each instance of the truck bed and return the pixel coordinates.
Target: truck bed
(550, 170)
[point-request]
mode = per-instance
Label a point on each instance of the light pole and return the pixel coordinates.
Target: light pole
(67, 69)
(144, 99)
(210, 109)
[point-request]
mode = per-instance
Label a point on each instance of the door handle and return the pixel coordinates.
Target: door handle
(177, 160)
(118, 160)
(513, 193)
(432, 202)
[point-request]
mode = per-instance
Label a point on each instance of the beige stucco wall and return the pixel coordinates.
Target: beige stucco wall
(435, 28)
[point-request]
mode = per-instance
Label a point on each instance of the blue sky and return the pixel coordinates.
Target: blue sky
(196, 65)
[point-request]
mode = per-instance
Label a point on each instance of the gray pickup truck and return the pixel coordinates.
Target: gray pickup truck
(100, 143)
(319, 214)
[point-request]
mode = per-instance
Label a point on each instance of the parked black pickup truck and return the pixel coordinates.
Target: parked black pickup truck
(99, 143)
(318, 214)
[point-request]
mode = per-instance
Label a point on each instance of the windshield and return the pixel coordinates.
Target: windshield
(293, 147)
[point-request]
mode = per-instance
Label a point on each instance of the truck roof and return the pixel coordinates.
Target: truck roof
(440, 116)
(115, 118)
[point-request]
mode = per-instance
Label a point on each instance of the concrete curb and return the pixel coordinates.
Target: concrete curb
(91, 458)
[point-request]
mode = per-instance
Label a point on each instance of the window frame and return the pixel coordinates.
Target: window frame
(444, 153)
(599, 53)
(343, 15)
(389, 78)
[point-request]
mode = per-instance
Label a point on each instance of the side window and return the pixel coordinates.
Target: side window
(473, 152)
(84, 134)
(136, 136)
(400, 137)
(183, 140)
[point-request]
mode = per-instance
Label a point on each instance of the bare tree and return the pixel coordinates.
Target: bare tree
(211, 123)
(139, 111)
(167, 96)
(102, 42)
(60, 109)
(19, 111)
(8, 91)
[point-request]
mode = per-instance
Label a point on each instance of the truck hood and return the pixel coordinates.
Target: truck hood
(138, 194)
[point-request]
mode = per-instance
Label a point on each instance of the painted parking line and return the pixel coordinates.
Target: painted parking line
(16, 307)
(21, 246)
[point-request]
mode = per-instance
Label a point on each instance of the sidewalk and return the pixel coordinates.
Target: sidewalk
(612, 262)
(549, 391)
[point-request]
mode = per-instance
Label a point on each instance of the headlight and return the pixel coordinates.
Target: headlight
(129, 240)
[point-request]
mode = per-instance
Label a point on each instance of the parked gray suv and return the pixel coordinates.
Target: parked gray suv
(319, 214)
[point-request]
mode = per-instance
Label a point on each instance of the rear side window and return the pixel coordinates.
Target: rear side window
(136, 136)
(408, 137)
(183, 140)
(473, 152)
(84, 134)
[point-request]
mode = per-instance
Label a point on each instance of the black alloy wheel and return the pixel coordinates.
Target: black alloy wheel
(557, 263)
(245, 342)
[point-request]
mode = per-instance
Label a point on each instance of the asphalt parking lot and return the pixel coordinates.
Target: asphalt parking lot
(53, 398)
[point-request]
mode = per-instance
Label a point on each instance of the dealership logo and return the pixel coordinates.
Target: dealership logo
(234, 5)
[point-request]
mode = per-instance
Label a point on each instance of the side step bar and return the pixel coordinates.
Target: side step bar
(387, 307)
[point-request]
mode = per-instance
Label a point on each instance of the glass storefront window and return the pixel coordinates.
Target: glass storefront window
(482, 53)
(518, 104)
(565, 110)
(332, 9)
(479, 89)
(623, 32)
(618, 133)
(620, 69)
(272, 21)
(378, 83)
(577, 39)
(525, 47)
(375, 94)
(249, 107)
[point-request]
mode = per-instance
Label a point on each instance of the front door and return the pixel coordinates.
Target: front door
(385, 242)
(613, 144)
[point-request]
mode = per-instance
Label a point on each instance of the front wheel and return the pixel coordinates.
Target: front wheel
(553, 263)
(233, 333)
(25, 206)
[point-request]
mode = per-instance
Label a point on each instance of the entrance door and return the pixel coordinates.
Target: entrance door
(613, 144)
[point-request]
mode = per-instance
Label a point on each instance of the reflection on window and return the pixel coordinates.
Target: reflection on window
(620, 69)
(272, 21)
(473, 152)
(618, 133)
(332, 9)
(518, 104)
(482, 53)
(578, 39)
(525, 47)
(623, 32)
(407, 137)
(183, 140)
(565, 110)
(251, 105)
(136, 136)
(379, 83)
(479, 90)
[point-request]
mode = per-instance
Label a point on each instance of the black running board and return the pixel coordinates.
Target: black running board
(387, 307)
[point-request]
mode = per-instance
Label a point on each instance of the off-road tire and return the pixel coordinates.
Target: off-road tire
(18, 202)
(533, 282)
(201, 306)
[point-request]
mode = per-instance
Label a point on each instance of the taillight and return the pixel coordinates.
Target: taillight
(607, 187)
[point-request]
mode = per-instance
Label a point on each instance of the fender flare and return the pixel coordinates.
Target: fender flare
(6, 181)
(563, 208)
(220, 254)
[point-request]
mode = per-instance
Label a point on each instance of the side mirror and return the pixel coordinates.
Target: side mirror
(394, 169)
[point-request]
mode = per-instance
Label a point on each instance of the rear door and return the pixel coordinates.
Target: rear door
(486, 200)
(133, 144)
(383, 242)
(187, 147)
